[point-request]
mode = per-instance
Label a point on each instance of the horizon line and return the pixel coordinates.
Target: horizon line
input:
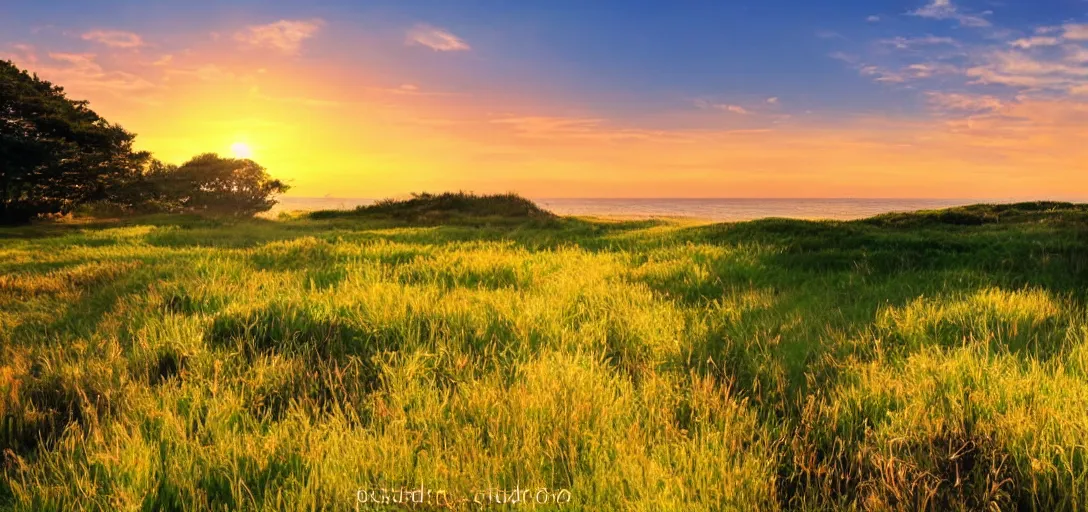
(665, 198)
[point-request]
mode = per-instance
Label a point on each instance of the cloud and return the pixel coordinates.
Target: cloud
(1076, 32)
(1048, 63)
(115, 38)
(829, 34)
(928, 69)
(82, 72)
(873, 19)
(881, 74)
(285, 36)
(1033, 73)
(1034, 42)
(1076, 54)
(567, 129)
(945, 10)
(964, 102)
(895, 71)
(435, 38)
(906, 43)
(772, 101)
(408, 90)
(726, 107)
(25, 53)
(845, 57)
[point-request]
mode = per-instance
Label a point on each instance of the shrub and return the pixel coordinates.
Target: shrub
(427, 207)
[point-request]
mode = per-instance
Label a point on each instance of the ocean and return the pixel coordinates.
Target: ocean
(707, 209)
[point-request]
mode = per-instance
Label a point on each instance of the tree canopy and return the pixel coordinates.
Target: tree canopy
(212, 184)
(57, 154)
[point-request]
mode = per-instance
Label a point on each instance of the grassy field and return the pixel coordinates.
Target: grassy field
(936, 360)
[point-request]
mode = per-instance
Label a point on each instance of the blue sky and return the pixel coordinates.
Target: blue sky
(650, 51)
(856, 70)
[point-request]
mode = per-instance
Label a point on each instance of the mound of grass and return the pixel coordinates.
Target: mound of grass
(980, 214)
(445, 207)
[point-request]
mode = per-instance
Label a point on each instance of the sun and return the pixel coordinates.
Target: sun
(241, 150)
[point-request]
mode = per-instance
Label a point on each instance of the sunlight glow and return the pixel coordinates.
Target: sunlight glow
(241, 150)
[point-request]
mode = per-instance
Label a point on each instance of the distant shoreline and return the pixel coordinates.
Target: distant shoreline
(710, 209)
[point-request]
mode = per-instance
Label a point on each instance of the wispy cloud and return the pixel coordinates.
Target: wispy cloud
(929, 69)
(945, 10)
(1076, 54)
(845, 57)
(964, 102)
(285, 36)
(829, 34)
(1076, 32)
(882, 75)
(726, 107)
(205, 72)
(906, 43)
(1049, 61)
(25, 53)
(1028, 70)
(81, 72)
(435, 38)
(409, 90)
(873, 19)
(114, 38)
(1035, 42)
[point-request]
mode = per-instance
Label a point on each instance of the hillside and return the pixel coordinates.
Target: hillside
(932, 360)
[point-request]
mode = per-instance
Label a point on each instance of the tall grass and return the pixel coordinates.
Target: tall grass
(905, 362)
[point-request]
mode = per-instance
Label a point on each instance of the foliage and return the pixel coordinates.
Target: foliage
(57, 156)
(445, 207)
(212, 184)
(193, 363)
(55, 152)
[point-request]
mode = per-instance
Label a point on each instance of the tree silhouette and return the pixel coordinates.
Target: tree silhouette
(210, 183)
(56, 153)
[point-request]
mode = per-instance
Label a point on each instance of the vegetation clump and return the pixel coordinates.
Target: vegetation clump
(57, 156)
(980, 214)
(445, 207)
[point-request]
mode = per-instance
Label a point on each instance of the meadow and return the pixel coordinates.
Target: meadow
(927, 361)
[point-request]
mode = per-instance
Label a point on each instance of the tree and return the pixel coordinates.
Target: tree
(209, 183)
(56, 153)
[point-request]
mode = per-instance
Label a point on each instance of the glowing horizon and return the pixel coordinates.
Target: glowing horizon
(946, 100)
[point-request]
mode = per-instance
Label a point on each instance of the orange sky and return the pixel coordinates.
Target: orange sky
(330, 128)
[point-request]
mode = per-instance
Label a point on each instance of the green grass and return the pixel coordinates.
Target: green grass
(936, 360)
(446, 208)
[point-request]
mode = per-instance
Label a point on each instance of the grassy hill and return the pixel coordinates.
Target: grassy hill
(448, 207)
(936, 360)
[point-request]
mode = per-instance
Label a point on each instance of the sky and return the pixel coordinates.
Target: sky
(604, 98)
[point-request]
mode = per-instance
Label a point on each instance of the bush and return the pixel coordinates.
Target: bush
(210, 183)
(437, 207)
(205, 184)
